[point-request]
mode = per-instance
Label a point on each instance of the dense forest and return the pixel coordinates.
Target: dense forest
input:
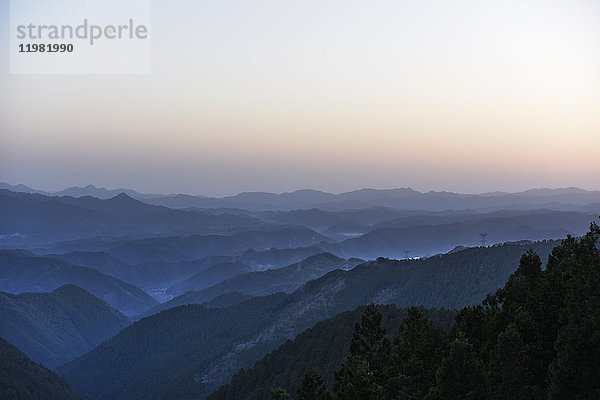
(53, 328)
(321, 348)
(23, 379)
(538, 337)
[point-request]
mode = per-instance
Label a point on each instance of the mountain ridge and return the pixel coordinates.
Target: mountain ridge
(53, 328)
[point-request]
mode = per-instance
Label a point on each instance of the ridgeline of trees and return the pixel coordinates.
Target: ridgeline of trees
(538, 337)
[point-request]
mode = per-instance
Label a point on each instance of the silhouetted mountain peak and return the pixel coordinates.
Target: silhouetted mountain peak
(70, 289)
(324, 257)
(123, 197)
(124, 200)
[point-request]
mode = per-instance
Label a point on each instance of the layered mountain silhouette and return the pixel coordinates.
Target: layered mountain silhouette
(255, 283)
(400, 198)
(403, 198)
(53, 328)
(193, 349)
(22, 271)
(35, 219)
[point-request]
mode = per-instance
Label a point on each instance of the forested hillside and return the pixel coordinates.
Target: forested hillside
(53, 328)
(191, 350)
(322, 348)
(538, 337)
(22, 271)
(172, 354)
(23, 379)
(260, 283)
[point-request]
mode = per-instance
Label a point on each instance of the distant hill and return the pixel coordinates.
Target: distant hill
(429, 234)
(104, 263)
(209, 277)
(276, 257)
(182, 248)
(402, 198)
(188, 351)
(226, 300)
(20, 188)
(102, 193)
(23, 379)
(155, 277)
(22, 271)
(53, 328)
(285, 279)
(261, 283)
(35, 219)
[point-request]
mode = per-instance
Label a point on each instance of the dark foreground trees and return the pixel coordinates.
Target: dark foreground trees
(536, 338)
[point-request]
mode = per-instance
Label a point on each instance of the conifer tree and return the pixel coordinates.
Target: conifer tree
(312, 387)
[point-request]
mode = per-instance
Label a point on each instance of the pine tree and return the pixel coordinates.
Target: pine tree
(312, 387)
(359, 373)
(510, 367)
(416, 357)
(461, 376)
(368, 336)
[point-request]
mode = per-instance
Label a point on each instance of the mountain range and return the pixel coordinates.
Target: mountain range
(254, 283)
(35, 219)
(129, 298)
(22, 271)
(56, 327)
(401, 198)
(195, 349)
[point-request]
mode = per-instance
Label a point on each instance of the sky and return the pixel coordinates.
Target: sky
(467, 96)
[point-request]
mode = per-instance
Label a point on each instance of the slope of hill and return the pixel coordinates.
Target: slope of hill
(155, 277)
(285, 279)
(198, 349)
(261, 283)
(449, 280)
(226, 300)
(322, 348)
(209, 277)
(276, 257)
(53, 328)
(22, 271)
(183, 248)
(102, 262)
(23, 379)
(152, 358)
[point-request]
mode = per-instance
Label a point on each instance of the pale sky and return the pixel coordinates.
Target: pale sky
(468, 96)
